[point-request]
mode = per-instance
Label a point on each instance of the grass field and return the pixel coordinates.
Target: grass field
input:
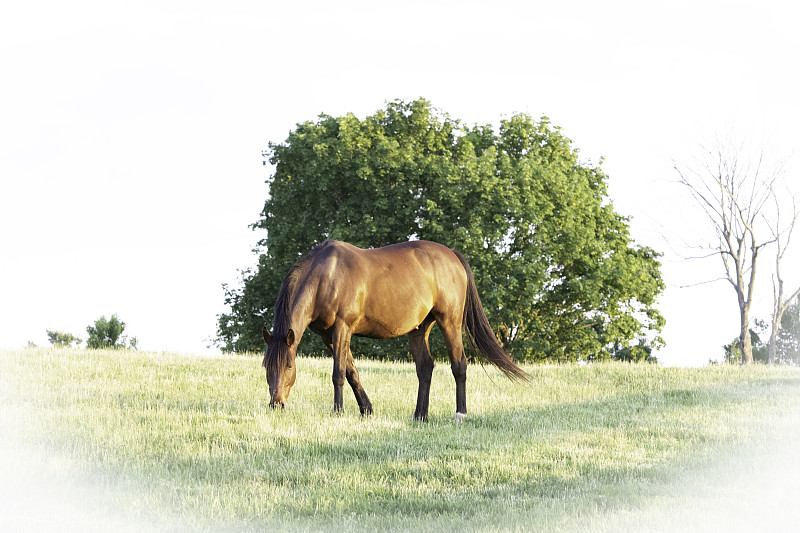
(132, 441)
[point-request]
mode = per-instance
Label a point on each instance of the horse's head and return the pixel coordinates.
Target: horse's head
(279, 362)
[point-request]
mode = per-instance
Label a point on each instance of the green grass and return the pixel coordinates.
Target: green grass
(189, 443)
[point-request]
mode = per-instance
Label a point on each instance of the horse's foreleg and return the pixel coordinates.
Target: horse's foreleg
(364, 405)
(338, 384)
(341, 351)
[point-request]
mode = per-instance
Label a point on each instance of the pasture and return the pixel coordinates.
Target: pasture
(135, 441)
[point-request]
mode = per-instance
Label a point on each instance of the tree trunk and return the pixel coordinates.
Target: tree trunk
(773, 342)
(744, 339)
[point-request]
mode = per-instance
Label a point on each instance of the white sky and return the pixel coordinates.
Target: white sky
(131, 132)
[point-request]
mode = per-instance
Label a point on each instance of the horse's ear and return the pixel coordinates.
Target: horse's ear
(290, 338)
(266, 334)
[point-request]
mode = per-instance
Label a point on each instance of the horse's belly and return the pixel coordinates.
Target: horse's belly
(386, 322)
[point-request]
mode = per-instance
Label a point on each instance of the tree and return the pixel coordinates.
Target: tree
(786, 344)
(62, 340)
(558, 274)
(639, 353)
(780, 302)
(787, 341)
(788, 351)
(760, 351)
(107, 333)
(733, 190)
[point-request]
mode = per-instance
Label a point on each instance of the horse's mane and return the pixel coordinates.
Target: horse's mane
(278, 358)
(283, 314)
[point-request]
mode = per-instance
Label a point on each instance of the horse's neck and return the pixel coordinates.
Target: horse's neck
(301, 309)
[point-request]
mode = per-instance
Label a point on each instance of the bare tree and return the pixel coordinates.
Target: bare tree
(732, 190)
(780, 305)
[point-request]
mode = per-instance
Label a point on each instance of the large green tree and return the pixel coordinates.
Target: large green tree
(558, 274)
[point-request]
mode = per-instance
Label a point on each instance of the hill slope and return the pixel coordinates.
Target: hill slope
(93, 439)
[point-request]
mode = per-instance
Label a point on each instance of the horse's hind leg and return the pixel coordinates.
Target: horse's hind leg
(458, 364)
(418, 345)
(364, 405)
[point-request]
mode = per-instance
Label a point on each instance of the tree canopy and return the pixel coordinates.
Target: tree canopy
(788, 341)
(60, 339)
(559, 276)
(107, 333)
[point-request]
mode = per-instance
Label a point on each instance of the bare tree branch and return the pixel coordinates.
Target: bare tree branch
(779, 305)
(701, 283)
(733, 194)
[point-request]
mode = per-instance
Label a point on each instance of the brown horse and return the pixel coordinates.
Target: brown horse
(338, 290)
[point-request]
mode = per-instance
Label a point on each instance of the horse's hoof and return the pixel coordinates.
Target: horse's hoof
(460, 417)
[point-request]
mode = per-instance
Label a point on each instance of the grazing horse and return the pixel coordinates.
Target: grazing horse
(338, 290)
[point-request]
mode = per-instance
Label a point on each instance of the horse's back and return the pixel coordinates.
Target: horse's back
(386, 292)
(430, 255)
(420, 262)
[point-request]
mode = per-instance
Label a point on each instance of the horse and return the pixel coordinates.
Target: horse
(338, 290)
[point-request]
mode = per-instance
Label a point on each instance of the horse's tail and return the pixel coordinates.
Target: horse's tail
(480, 332)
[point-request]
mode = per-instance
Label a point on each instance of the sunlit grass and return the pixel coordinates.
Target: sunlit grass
(190, 442)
